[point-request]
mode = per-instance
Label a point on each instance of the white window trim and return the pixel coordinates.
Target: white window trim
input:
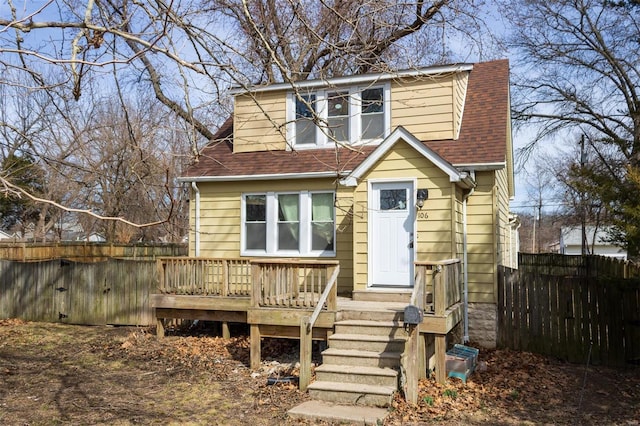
(272, 226)
(355, 118)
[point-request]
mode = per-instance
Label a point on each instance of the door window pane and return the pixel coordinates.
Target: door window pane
(393, 199)
(322, 222)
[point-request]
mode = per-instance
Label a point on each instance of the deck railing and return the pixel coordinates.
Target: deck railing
(442, 280)
(283, 283)
(204, 276)
(288, 283)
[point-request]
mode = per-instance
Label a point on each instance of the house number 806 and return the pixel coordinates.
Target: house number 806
(423, 215)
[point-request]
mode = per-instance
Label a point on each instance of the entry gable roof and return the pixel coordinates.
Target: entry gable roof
(401, 134)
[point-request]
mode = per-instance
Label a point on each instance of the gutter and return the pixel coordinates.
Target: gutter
(282, 176)
(196, 190)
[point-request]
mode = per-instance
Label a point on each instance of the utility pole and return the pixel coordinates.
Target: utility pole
(582, 200)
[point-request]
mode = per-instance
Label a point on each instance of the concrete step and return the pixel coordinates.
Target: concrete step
(338, 414)
(357, 374)
(352, 393)
(371, 328)
(361, 357)
(366, 342)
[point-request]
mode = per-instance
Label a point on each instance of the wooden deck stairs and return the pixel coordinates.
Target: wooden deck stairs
(361, 365)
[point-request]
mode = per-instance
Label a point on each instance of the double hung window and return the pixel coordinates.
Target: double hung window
(372, 101)
(289, 224)
(338, 116)
(350, 116)
(305, 127)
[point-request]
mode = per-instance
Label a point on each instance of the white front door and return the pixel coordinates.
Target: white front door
(391, 234)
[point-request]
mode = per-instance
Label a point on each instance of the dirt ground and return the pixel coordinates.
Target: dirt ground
(63, 374)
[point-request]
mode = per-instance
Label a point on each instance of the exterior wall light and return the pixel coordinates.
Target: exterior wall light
(421, 196)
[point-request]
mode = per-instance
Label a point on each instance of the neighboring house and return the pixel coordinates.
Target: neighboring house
(596, 242)
(5, 236)
(414, 165)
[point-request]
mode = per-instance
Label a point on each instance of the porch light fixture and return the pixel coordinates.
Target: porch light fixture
(421, 196)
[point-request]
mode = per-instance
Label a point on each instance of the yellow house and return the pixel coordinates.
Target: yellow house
(391, 190)
(375, 171)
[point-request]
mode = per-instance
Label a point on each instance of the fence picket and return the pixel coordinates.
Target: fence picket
(545, 309)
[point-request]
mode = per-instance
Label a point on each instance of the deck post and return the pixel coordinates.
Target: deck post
(226, 334)
(306, 339)
(332, 300)
(225, 278)
(441, 357)
(411, 364)
(439, 289)
(256, 285)
(159, 328)
(422, 356)
(255, 346)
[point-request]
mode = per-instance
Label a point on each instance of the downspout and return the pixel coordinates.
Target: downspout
(465, 265)
(197, 219)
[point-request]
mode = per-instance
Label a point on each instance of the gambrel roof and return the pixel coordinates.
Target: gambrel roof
(484, 141)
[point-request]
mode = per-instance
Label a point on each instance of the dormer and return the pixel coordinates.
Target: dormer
(351, 111)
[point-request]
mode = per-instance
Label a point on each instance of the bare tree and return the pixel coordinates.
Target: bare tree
(188, 54)
(579, 76)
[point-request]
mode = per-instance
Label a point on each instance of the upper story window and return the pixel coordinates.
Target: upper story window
(356, 115)
(305, 128)
(338, 115)
(372, 113)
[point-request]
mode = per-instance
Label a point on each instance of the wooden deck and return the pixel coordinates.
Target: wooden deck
(298, 299)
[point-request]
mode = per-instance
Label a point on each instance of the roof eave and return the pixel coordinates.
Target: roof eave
(481, 166)
(280, 176)
(357, 79)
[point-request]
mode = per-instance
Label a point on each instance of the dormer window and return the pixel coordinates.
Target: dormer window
(372, 113)
(355, 115)
(305, 128)
(338, 116)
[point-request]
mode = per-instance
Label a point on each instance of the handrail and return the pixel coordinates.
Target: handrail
(323, 298)
(417, 295)
(306, 328)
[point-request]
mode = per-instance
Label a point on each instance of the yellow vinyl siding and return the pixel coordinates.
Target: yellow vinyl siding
(259, 122)
(424, 106)
(433, 234)
(461, 81)
(220, 223)
(481, 239)
(505, 247)
(429, 107)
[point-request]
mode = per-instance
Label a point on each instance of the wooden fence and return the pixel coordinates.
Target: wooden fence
(88, 251)
(573, 317)
(115, 291)
(567, 265)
